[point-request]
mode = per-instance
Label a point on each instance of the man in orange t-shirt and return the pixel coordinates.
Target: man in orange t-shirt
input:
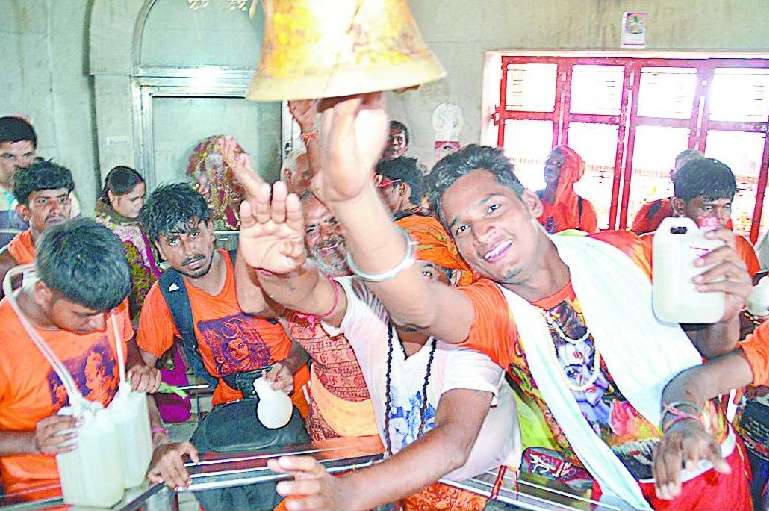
(43, 192)
(230, 342)
(69, 306)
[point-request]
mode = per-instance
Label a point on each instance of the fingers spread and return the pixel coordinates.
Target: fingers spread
(261, 203)
(294, 217)
(279, 194)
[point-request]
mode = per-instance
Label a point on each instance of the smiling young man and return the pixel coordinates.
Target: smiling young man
(43, 192)
(569, 317)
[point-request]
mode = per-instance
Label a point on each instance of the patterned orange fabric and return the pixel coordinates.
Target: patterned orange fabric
(435, 245)
(442, 496)
(22, 248)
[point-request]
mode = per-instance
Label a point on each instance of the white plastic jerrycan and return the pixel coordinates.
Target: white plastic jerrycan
(275, 407)
(678, 242)
(131, 416)
(758, 301)
(129, 411)
(92, 474)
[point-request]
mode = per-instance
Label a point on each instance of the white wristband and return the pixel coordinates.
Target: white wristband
(390, 274)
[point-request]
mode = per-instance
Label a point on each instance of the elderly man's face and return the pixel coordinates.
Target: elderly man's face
(323, 238)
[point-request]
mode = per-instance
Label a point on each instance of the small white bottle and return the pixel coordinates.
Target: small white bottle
(275, 407)
(678, 243)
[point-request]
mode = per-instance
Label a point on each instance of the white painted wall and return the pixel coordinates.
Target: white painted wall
(44, 75)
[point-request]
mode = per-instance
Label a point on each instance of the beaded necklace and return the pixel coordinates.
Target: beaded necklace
(595, 372)
(388, 389)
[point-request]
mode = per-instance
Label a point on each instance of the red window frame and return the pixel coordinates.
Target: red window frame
(628, 119)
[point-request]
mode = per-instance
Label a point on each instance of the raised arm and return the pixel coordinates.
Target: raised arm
(446, 447)
(354, 131)
(305, 112)
(273, 252)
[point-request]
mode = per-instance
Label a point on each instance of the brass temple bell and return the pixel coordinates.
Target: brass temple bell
(327, 48)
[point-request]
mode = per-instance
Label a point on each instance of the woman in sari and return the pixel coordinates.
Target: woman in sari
(118, 208)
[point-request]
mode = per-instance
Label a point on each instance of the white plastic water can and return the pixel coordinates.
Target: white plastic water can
(274, 408)
(131, 416)
(677, 244)
(92, 474)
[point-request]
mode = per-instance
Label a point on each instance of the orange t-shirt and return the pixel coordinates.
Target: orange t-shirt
(229, 340)
(556, 218)
(755, 347)
(30, 390)
(22, 248)
(651, 215)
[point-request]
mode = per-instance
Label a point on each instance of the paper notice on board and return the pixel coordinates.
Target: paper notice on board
(634, 29)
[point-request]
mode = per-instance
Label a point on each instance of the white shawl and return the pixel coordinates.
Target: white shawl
(641, 353)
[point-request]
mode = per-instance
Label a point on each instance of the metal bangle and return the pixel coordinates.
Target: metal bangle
(390, 274)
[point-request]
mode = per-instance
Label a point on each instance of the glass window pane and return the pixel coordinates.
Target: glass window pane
(531, 87)
(179, 123)
(597, 144)
(667, 92)
(740, 95)
(742, 152)
(527, 144)
(597, 89)
(654, 155)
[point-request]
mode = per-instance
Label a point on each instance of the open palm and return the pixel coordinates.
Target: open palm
(271, 223)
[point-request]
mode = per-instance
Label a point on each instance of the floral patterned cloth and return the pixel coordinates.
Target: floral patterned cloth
(141, 258)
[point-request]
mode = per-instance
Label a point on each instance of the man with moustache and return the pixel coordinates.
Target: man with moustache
(229, 341)
(43, 192)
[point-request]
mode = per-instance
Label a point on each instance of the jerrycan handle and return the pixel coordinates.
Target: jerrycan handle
(119, 350)
(76, 398)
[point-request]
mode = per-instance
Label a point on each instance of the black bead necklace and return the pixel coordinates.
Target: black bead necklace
(388, 388)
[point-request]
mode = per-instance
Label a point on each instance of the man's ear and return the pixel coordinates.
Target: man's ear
(678, 205)
(43, 295)
(24, 212)
(532, 203)
(160, 250)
